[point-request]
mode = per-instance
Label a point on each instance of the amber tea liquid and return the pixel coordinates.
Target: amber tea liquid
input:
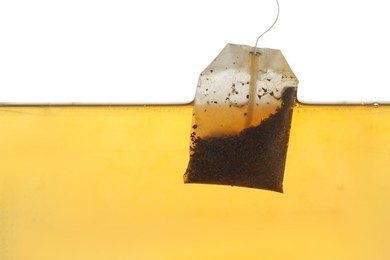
(106, 183)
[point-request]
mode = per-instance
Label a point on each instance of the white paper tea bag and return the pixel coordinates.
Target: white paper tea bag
(241, 119)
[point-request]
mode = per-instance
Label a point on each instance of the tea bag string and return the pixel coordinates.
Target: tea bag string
(277, 17)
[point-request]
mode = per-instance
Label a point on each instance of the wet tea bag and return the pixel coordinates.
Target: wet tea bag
(241, 119)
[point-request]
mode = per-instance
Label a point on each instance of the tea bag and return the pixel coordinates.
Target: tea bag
(241, 119)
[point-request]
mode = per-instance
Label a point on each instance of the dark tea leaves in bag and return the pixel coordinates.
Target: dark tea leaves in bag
(242, 117)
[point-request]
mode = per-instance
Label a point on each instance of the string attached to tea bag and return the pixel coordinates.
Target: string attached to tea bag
(254, 73)
(276, 19)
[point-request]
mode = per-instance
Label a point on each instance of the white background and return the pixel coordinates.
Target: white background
(84, 51)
